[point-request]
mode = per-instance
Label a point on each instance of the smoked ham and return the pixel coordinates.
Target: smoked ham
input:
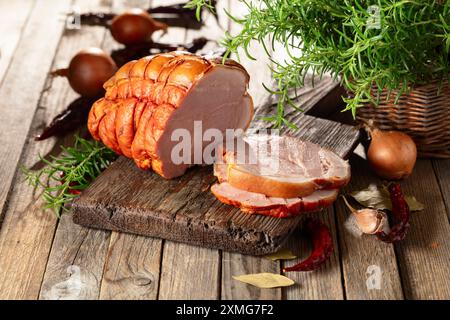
(257, 203)
(148, 99)
(278, 176)
(281, 166)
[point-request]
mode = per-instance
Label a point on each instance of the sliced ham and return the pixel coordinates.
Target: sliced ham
(149, 98)
(276, 207)
(281, 166)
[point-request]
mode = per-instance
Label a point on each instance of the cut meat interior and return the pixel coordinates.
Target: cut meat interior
(281, 166)
(218, 101)
(276, 207)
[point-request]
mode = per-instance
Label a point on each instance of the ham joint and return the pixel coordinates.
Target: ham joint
(147, 99)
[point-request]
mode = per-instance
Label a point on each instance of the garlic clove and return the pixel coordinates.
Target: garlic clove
(352, 227)
(371, 221)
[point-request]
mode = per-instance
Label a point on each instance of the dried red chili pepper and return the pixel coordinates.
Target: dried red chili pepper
(322, 241)
(95, 19)
(71, 184)
(74, 116)
(175, 15)
(400, 211)
(122, 56)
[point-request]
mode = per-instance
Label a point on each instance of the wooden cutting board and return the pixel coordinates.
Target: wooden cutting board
(124, 198)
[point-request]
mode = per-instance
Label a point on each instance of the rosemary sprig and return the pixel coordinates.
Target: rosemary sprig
(405, 43)
(65, 176)
(198, 5)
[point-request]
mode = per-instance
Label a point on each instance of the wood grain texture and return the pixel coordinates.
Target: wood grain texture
(132, 268)
(236, 264)
(323, 284)
(63, 259)
(181, 275)
(73, 271)
(26, 231)
(442, 170)
(308, 97)
(132, 264)
(359, 253)
(200, 278)
(20, 94)
(424, 255)
(13, 15)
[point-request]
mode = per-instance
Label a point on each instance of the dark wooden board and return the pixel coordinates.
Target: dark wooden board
(127, 199)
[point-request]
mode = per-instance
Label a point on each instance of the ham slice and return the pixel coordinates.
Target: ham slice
(281, 166)
(257, 203)
(148, 99)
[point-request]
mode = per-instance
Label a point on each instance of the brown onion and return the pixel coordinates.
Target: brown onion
(134, 27)
(392, 154)
(88, 70)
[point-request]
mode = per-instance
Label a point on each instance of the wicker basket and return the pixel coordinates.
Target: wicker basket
(424, 114)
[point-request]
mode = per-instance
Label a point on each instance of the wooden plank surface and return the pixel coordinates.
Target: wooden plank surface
(77, 255)
(442, 170)
(234, 264)
(358, 254)
(13, 15)
(181, 207)
(181, 280)
(26, 231)
(132, 264)
(323, 284)
(74, 269)
(132, 268)
(189, 272)
(23, 83)
(424, 255)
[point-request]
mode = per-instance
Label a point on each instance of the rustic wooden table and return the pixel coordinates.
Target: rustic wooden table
(42, 257)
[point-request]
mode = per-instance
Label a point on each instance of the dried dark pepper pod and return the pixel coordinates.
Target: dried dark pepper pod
(175, 15)
(122, 56)
(400, 211)
(73, 117)
(322, 242)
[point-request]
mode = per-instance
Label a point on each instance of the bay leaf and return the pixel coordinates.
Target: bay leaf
(283, 254)
(265, 280)
(378, 198)
(414, 204)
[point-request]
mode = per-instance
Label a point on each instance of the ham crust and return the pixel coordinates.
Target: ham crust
(147, 99)
(256, 203)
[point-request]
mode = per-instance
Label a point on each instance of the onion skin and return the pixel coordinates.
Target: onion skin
(392, 154)
(88, 70)
(134, 27)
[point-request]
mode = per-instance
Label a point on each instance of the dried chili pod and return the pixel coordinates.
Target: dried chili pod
(400, 211)
(178, 15)
(175, 15)
(124, 55)
(96, 19)
(70, 119)
(71, 184)
(322, 242)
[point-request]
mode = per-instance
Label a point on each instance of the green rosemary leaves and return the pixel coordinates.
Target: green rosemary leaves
(65, 176)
